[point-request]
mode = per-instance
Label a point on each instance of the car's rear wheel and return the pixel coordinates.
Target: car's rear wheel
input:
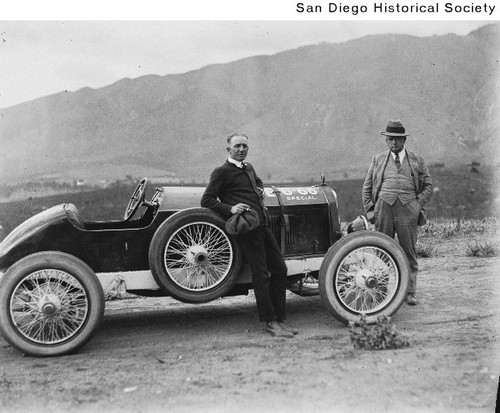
(192, 258)
(51, 304)
(364, 273)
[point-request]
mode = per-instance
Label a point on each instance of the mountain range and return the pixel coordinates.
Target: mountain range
(311, 110)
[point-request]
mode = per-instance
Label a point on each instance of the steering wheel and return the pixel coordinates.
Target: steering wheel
(136, 200)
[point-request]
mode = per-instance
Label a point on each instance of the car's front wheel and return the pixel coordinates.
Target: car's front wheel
(365, 273)
(51, 304)
(192, 258)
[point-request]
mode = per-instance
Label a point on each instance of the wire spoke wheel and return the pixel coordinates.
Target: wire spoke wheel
(366, 280)
(192, 258)
(51, 303)
(365, 273)
(49, 306)
(198, 256)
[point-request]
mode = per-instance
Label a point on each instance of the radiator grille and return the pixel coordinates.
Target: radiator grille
(307, 230)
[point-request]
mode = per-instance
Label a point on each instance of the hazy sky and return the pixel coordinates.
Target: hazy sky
(39, 58)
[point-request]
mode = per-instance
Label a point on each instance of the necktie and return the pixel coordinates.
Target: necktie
(243, 166)
(398, 162)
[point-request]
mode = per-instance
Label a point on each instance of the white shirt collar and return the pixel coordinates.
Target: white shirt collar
(234, 161)
(402, 155)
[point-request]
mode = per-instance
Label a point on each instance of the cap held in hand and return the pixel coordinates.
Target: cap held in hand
(242, 223)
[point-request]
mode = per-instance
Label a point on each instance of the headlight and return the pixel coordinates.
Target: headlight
(358, 224)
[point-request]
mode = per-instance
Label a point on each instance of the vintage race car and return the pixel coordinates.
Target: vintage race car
(55, 267)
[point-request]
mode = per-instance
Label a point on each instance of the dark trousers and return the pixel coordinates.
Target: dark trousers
(269, 273)
(402, 220)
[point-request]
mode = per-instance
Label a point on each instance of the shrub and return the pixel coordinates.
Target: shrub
(381, 336)
(425, 249)
(487, 249)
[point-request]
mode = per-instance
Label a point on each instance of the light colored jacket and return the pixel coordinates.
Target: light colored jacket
(374, 176)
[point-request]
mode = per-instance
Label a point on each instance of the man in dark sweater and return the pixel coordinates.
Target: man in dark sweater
(234, 188)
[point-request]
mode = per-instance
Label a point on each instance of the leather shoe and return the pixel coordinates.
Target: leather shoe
(411, 299)
(286, 327)
(276, 330)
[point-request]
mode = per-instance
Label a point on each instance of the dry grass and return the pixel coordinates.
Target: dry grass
(426, 248)
(482, 249)
(446, 228)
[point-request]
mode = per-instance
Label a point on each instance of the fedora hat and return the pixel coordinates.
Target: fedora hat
(394, 128)
(239, 224)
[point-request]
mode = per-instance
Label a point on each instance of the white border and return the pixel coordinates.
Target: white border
(241, 10)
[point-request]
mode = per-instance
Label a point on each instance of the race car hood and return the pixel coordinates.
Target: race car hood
(179, 197)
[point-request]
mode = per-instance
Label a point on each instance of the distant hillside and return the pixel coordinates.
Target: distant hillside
(314, 109)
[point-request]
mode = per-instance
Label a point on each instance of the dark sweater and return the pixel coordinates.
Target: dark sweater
(230, 185)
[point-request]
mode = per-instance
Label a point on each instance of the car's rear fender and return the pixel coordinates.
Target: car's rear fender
(20, 241)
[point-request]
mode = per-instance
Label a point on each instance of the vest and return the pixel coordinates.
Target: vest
(397, 185)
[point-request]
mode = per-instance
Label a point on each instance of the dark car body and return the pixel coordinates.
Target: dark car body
(304, 220)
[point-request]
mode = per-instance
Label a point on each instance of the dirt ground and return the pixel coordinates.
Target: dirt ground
(159, 355)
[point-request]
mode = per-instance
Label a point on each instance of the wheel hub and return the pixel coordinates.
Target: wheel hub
(366, 279)
(50, 305)
(197, 255)
(371, 282)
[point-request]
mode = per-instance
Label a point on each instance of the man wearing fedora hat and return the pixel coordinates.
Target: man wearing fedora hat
(235, 189)
(395, 190)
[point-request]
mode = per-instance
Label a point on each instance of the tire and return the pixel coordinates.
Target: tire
(192, 258)
(51, 304)
(366, 273)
